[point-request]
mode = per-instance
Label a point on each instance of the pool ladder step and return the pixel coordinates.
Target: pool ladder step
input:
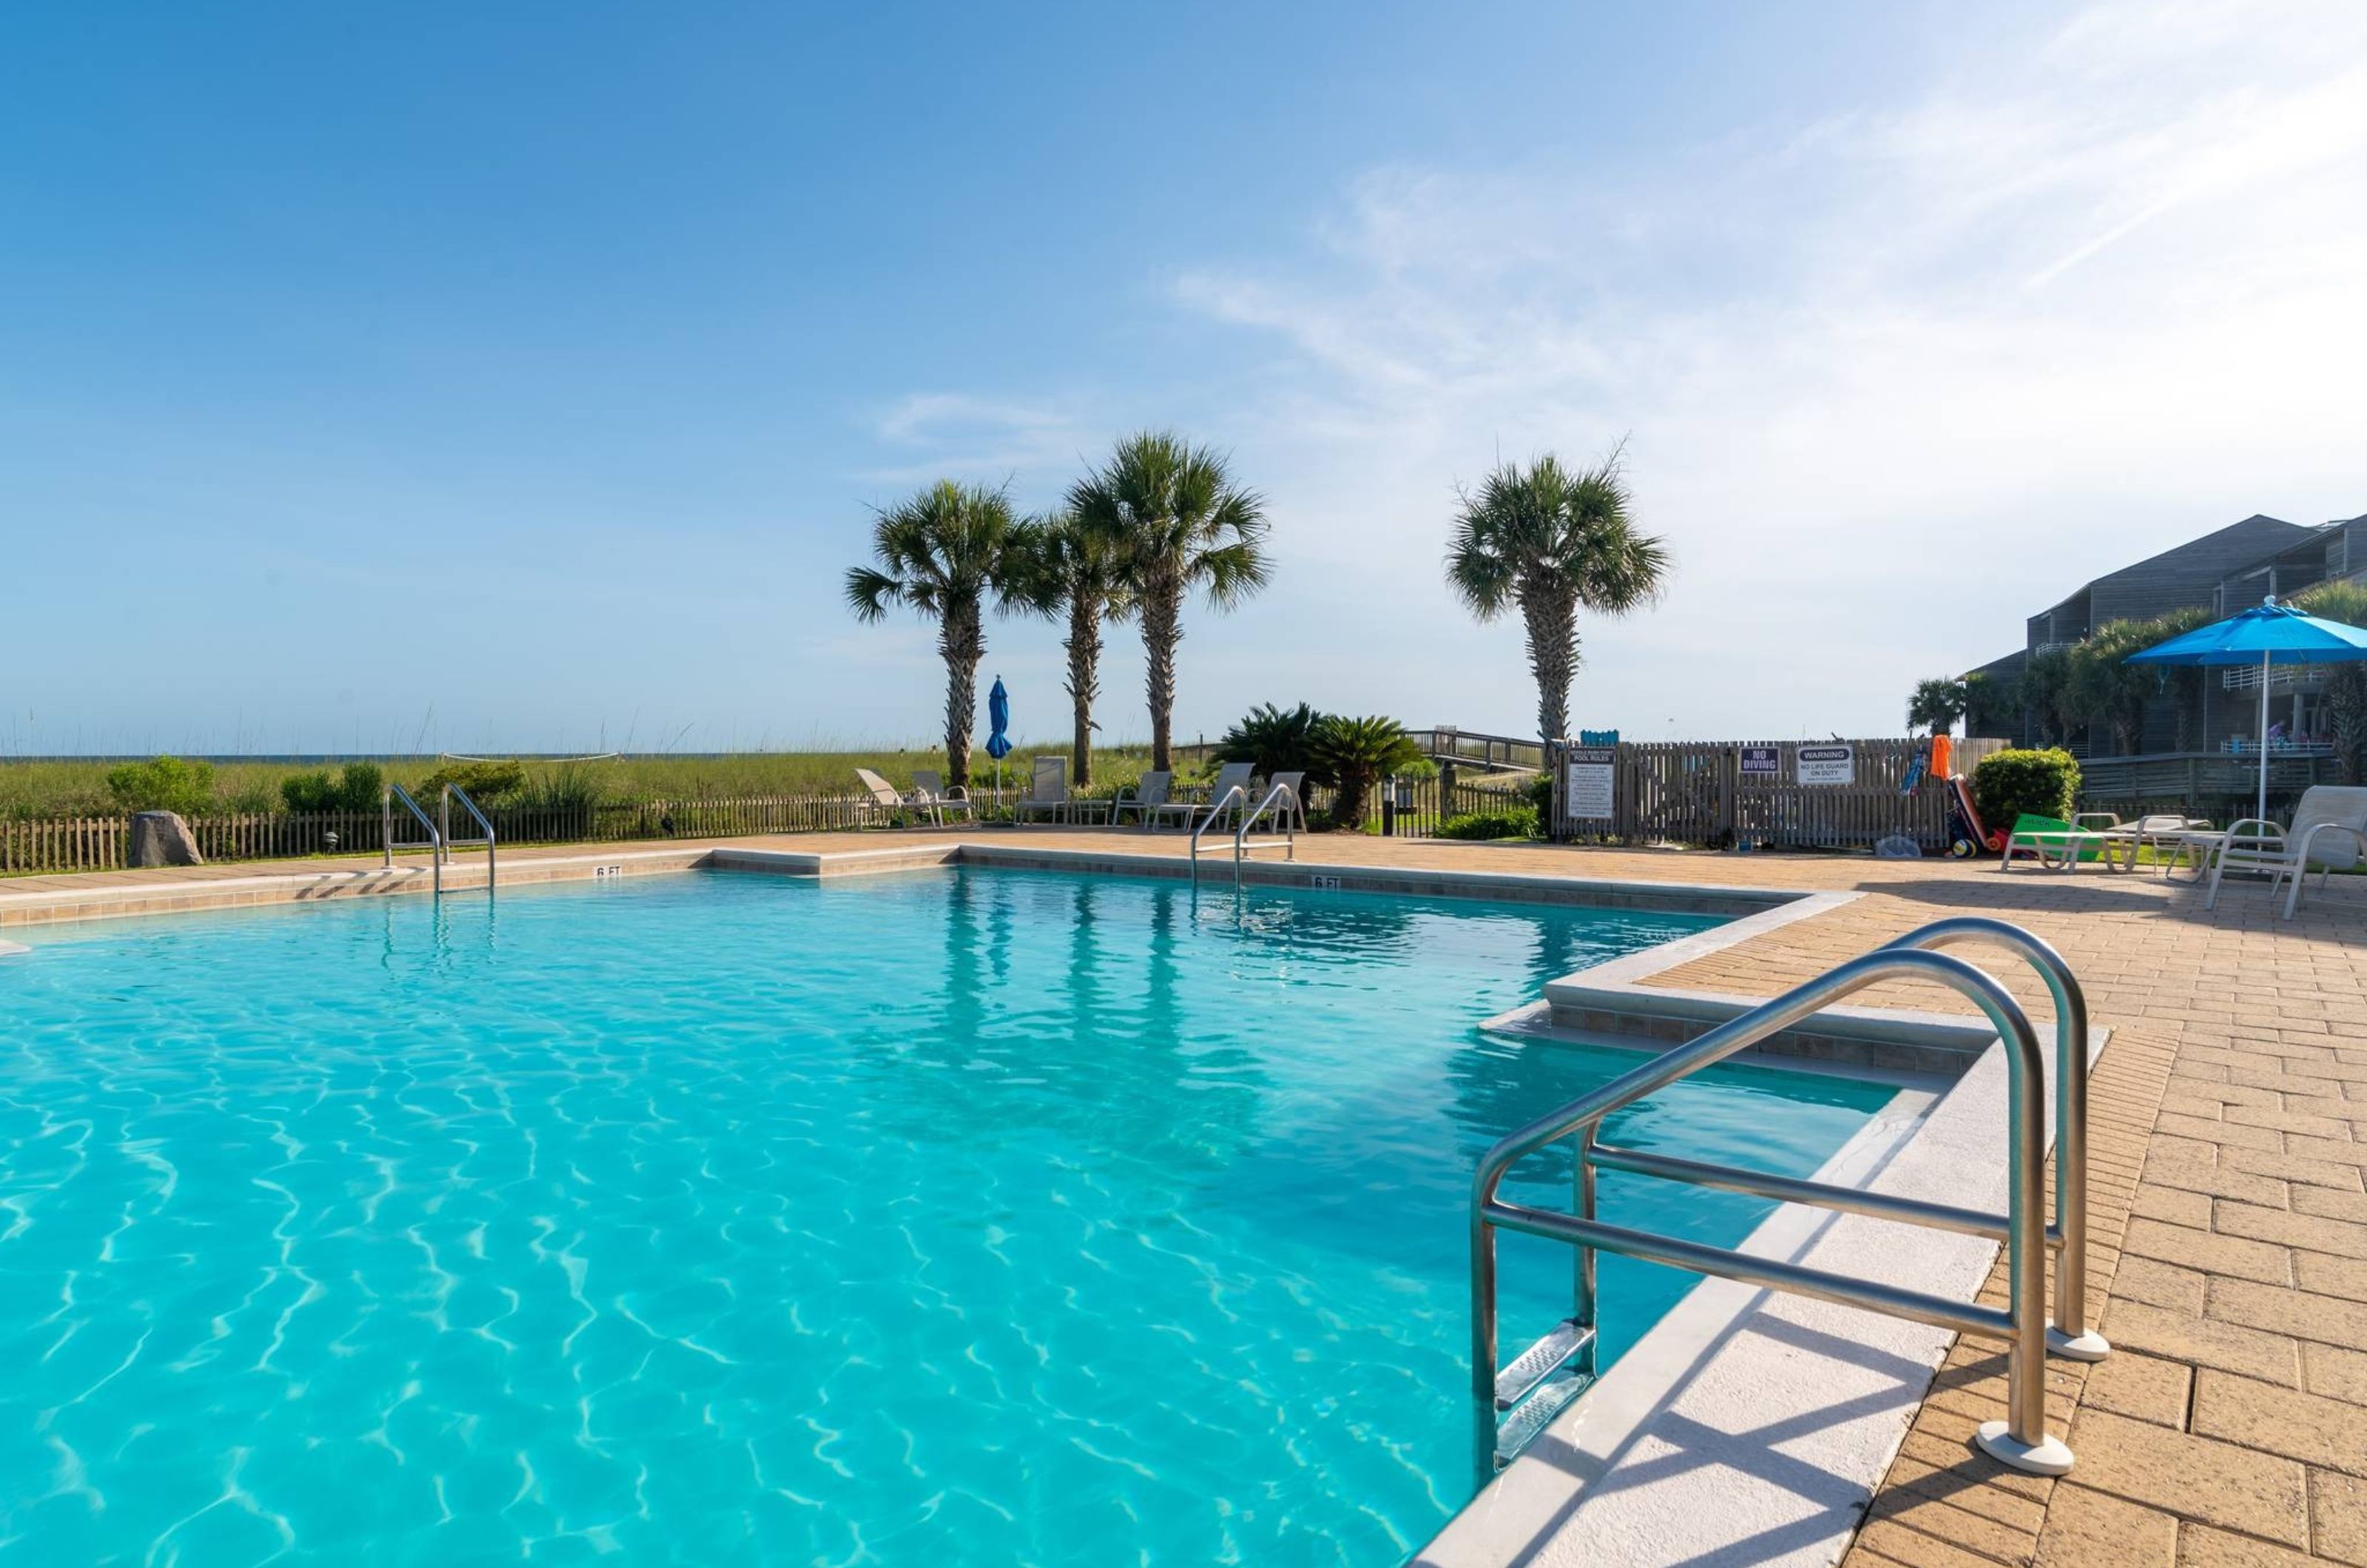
(1540, 1382)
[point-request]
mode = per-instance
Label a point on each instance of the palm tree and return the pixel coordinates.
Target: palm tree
(942, 552)
(1553, 541)
(1358, 754)
(1062, 567)
(2346, 684)
(1175, 520)
(1937, 704)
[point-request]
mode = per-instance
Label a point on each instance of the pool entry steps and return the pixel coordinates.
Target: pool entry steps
(1512, 1406)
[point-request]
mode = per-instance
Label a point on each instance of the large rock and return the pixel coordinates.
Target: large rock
(161, 838)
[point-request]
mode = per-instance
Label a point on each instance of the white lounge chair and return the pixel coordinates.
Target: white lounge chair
(1047, 791)
(930, 795)
(1229, 777)
(1292, 809)
(1146, 797)
(2328, 832)
(2160, 831)
(882, 798)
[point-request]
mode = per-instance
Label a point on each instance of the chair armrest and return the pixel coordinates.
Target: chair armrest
(955, 792)
(2084, 817)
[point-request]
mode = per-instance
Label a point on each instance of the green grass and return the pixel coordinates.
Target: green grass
(75, 788)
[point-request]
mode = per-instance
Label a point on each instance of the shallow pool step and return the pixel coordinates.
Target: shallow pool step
(1550, 1399)
(1539, 1385)
(1529, 1369)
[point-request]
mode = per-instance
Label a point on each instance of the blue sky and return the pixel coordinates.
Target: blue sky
(520, 377)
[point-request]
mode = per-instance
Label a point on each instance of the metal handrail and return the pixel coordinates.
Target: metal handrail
(1282, 792)
(2070, 1336)
(1216, 808)
(395, 792)
(2021, 1440)
(452, 792)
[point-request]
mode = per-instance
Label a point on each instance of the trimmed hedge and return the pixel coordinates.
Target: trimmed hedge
(1520, 822)
(2010, 783)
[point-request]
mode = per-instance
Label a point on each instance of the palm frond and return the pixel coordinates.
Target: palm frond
(869, 593)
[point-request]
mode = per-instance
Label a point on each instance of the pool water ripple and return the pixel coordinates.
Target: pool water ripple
(966, 1218)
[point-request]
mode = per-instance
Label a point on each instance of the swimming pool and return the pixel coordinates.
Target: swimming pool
(962, 1218)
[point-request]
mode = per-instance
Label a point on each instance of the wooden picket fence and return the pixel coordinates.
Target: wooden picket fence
(102, 843)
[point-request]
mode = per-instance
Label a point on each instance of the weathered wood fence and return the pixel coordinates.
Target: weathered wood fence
(1697, 792)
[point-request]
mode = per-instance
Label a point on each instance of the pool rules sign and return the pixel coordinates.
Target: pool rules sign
(1587, 788)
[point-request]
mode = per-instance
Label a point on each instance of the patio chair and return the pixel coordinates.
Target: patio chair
(2055, 844)
(882, 799)
(2328, 831)
(1293, 809)
(1229, 777)
(1047, 791)
(1146, 797)
(930, 795)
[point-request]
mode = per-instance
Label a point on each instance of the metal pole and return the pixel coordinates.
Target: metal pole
(2262, 811)
(1584, 1295)
(1483, 1344)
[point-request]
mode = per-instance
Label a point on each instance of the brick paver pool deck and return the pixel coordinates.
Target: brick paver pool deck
(2228, 1429)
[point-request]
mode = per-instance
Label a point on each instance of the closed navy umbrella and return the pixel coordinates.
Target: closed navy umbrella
(998, 740)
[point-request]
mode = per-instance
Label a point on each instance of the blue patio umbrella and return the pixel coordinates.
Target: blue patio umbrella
(2269, 634)
(998, 738)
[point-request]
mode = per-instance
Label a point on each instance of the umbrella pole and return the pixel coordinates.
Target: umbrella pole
(2262, 811)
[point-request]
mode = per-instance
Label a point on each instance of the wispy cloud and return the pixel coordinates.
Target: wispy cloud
(1907, 370)
(987, 439)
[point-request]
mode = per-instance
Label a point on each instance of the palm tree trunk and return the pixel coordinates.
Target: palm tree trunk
(1085, 648)
(1552, 618)
(2346, 706)
(1162, 629)
(962, 639)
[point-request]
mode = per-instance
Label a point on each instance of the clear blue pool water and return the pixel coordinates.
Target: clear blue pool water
(960, 1218)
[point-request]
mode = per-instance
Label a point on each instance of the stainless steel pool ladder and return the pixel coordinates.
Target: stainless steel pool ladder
(453, 792)
(439, 829)
(395, 792)
(1280, 795)
(1512, 1406)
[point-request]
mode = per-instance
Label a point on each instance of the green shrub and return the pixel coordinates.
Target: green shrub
(1540, 794)
(480, 781)
(359, 787)
(1275, 741)
(2007, 784)
(1520, 822)
(163, 784)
